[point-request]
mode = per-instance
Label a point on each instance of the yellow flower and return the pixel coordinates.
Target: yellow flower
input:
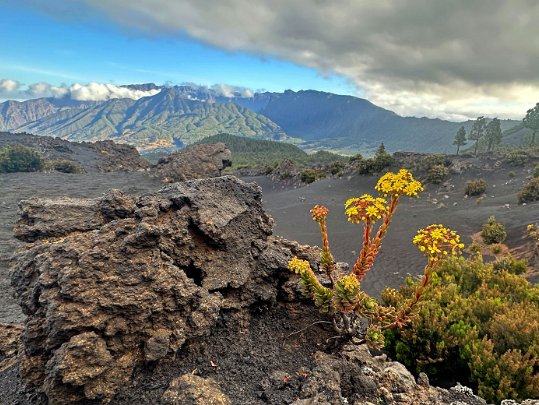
(298, 266)
(365, 208)
(398, 184)
(437, 241)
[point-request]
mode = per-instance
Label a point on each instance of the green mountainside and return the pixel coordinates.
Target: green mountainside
(248, 152)
(166, 119)
(346, 123)
(182, 115)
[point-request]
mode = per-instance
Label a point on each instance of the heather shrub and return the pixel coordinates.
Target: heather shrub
(511, 265)
(354, 312)
(336, 168)
(63, 165)
(437, 174)
(493, 232)
(18, 158)
(310, 175)
(475, 187)
(517, 158)
(530, 192)
(474, 321)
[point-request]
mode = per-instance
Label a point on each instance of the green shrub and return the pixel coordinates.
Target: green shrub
(511, 265)
(475, 322)
(530, 192)
(336, 168)
(18, 158)
(475, 187)
(511, 174)
(437, 174)
(310, 175)
(64, 166)
(493, 232)
(536, 171)
(517, 158)
(496, 248)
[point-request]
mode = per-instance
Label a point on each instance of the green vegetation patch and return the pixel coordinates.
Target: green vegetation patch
(18, 158)
(477, 321)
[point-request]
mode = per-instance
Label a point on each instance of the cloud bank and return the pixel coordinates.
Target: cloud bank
(11, 89)
(448, 59)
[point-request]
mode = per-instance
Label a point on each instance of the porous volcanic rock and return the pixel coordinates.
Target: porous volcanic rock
(122, 282)
(194, 162)
(9, 343)
(190, 389)
(354, 376)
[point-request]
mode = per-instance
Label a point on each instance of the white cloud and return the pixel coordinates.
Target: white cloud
(8, 86)
(103, 91)
(83, 92)
(447, 59)
(228, 91)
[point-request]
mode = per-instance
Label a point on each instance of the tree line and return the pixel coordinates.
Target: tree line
(491, 132)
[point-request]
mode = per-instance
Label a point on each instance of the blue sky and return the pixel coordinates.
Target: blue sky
(37, 47)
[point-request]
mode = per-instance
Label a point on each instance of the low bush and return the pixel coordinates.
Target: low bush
(18, 158)
(496, 248)
(530, 192)
(336, 168)
(493, 232)
(517, 158)
(511, 265)
(63, 165)
(536, 171)
(475, 187)
(310, 175)
(437, 174)
(477, 322)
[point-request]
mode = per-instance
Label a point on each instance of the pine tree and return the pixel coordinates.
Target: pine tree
(460, 138)
(477, 131)
(493, 133)
(531, 121)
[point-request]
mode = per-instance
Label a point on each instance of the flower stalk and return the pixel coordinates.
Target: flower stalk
(344, 299)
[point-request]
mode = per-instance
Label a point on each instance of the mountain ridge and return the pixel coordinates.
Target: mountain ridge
(180, 115)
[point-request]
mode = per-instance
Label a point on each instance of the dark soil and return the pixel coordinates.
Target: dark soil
(261, 358)
(399, 258)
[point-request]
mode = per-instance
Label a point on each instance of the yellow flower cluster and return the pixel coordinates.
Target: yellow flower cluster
(319, 213)
(298, 266)
(365, 208)
(398, 184)
(437, 241)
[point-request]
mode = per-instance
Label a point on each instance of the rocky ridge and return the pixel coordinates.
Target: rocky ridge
(96, 157)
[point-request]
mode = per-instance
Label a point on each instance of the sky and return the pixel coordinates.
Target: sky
(442, 59)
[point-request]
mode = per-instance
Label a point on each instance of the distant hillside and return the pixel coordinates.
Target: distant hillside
(247, 152)
(350, 123)
(185, 114)
(166, 119)
(14, 114)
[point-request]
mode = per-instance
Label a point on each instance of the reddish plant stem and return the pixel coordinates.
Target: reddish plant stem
(403, 316)
(325, 247)
(371, 247)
